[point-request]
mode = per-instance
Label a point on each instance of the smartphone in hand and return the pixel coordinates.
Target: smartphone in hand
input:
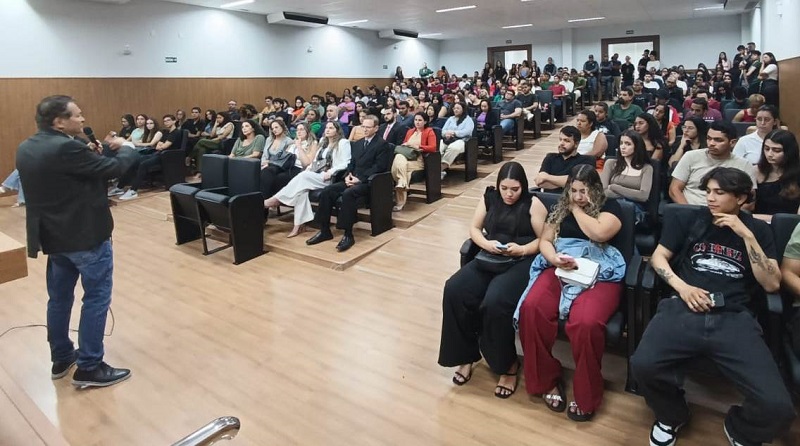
(501, 246)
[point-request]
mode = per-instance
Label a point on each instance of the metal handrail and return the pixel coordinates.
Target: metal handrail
(223, 428)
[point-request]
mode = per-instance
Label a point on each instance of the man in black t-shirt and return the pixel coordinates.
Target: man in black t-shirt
(616, 75)
(714, 259)
(195, 126)
(170, 139)
(556, 166)
(527, 100)
(628, 70)
(642, 66)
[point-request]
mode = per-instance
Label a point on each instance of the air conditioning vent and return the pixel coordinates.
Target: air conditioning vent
(398, 34)
(296, 19)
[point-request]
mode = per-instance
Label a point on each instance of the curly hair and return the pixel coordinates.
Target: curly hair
(597, 197)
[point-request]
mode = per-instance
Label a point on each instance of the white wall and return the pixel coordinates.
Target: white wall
(779, 28)
(71, 38)
(685, 42)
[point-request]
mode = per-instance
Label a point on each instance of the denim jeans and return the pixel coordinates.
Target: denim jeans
(13, 182)
(507, 125)
(95, 268)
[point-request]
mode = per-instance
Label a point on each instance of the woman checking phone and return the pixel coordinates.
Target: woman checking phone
(584, 217)
(479, 302)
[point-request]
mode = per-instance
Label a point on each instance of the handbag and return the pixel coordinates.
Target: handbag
(450, 140)
(495, 263)
(584, 276)
(284, 160)
(410, 153)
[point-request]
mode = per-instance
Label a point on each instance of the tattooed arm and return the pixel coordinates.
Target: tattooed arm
(696, 298)
(765, 270)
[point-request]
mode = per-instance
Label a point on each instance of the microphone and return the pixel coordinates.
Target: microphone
(90, 134)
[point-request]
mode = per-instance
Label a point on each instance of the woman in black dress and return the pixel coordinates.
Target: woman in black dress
(778, 176)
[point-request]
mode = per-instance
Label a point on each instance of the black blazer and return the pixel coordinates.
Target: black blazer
(396, 134)
(65, 185)
(369, 160)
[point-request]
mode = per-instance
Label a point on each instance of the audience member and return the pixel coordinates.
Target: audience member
(170, 139)
(749, 146)
(138, 133)
(624, 108)
(419, 139)
(12, 182)
(778, 174)
(250, 144)
(128, 126)
(749, 114)
(693, 138)
(593, 141)
(455, 133)
(556, 167)
(647, 126)
(510, 108)
(687, 179)
(222, 131)
(604, 124)
(276, 157)
(629, 176)
(716, 260)
(580, 225)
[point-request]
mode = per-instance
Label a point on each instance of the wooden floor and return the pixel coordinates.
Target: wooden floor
(302, 354)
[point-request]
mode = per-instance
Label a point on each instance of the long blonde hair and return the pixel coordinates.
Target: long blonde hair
(597, 197)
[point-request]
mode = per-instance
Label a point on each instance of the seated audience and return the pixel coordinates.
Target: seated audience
(276, 157)
(556, 167)
(510, 108)
(332, 115)
(138, 133)
(624, 108)
(749, 114)
(331, 158)
(180, 117)
(629, 176)
(647, 126)
(778, 174)
(370, 155)
(195, 127)
(661, 113)
(583, 221)
(687, 185)
(312, 120)
(250, 143)
(419, 139)
(559, 93)
(708, 316)
(479, 299)
(357, 131)
(222, 131)
(150, 138)
(641, 96)
(211, 121)
(749, 146)
(391, 132)
(700, 108)
(527, 100)
(128, 126)
(593, 141)
(299, 111)
(169, 139)
(455, 133)
(604, 124)
(693, 138)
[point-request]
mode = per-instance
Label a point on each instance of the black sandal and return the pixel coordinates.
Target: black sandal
(575, 416)
(498, 390)
(459, 379)
(549, 398)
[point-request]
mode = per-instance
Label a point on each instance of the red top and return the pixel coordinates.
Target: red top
(558, 90)
(428, 143)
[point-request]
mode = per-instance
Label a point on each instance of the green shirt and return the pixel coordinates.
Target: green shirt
(617, 112)
(793, 247)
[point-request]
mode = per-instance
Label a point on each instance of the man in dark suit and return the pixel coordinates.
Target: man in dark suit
(391, 131)
(69, 220)
(370, 155)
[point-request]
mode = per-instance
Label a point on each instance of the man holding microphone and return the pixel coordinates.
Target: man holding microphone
(69, 220)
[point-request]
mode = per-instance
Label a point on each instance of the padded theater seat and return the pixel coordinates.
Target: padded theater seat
(185, 213)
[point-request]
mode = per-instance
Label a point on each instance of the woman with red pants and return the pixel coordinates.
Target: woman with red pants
(582, 213)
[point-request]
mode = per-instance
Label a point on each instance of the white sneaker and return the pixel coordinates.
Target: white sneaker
(444, 174)
(114, 191)
(663, 435)
(130, 195)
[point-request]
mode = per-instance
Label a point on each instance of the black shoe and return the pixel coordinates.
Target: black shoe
(319, 237)
(102, 376)
(346, 243)
(61, 368)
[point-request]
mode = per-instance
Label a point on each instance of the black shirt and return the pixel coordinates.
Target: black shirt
(605, 68)
(627, 70)
(526, 100)
(555, 164)
(569, 227)
(506, 223)
(718, 261)
(550, 69)
(616, 67)
(194, 127)
(770, 202)
(174, 137)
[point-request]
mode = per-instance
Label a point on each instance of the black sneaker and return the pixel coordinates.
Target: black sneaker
(102, 376)
(61, 368)
(728, 434)
(664, 435)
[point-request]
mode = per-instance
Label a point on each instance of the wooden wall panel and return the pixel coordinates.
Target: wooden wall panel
(104, 101)
(789, 78)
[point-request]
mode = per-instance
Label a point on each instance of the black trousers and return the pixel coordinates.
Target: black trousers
(273, 179)
(732, 340)
(348, 210)
(146, 162)
(477, 316)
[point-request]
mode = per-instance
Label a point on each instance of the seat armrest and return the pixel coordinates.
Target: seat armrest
(649, 277)
(217, 190)
(774, 303)
(466, 247)
(632, 272)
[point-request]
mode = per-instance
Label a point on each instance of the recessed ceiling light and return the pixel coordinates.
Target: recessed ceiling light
(518, 26)
(458, 8)
(353, 22)
(589, 19)
(237, 3)
(707, 8)
(430, 35)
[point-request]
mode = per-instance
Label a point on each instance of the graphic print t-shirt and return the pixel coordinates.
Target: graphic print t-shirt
(719, 262)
